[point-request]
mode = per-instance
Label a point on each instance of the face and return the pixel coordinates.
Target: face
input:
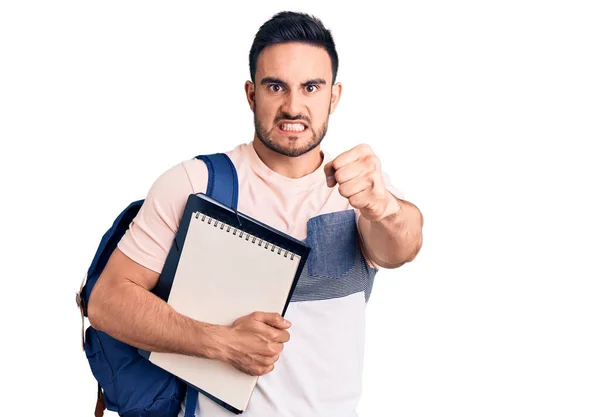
(292, 97)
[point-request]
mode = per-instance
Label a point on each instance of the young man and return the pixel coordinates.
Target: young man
(345, 208)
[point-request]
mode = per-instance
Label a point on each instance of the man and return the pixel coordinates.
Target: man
(344, 207)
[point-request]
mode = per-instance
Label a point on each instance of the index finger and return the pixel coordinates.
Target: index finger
(348, 157)
(341, 160)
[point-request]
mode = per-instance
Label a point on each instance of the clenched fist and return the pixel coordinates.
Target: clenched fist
(255, 341)
(358, 173)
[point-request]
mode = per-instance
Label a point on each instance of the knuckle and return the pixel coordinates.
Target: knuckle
(365, 148)
(372, 161)
(263, 351)
(271, 348)
(264, 370)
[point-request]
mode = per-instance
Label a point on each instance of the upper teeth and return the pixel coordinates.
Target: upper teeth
(297, 127)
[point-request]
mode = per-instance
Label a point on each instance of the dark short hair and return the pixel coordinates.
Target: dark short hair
(293, 27)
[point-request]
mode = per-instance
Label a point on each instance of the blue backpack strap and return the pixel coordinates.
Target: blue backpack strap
(222, 186)
(222, 179)
(190, 402)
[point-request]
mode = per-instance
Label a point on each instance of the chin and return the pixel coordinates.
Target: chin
(291, 146)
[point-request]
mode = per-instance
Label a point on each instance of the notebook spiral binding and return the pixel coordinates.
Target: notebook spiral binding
(243, 235)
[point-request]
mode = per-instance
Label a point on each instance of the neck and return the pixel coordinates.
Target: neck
(291, 167)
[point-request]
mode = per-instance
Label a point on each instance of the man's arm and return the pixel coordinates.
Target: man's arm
(396, 238)
(122, 306)
(390, 228)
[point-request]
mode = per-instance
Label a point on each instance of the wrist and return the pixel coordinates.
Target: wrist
(213, 341)
(392, 207)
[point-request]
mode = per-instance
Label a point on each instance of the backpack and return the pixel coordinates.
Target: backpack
(128, 383)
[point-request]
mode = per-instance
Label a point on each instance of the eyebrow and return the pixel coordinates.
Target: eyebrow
(273, 80)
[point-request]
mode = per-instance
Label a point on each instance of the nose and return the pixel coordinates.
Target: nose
(293, 103)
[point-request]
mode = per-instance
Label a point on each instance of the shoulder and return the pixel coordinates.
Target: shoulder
(191, 175)
(196, 171)
(172, 188)
(178, 182)
(165, 200)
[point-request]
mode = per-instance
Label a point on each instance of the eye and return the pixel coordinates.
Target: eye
(311, 88)
(276, 88)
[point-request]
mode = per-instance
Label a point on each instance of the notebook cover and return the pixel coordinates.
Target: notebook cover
(213, 208)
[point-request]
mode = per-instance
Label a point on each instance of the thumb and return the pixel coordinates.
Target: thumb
(330, 174)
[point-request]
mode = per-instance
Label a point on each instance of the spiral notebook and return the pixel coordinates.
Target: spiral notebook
(224, 265)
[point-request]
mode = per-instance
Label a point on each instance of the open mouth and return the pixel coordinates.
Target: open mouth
(292, 127)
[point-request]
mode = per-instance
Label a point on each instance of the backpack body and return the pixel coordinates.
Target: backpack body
(128, 383)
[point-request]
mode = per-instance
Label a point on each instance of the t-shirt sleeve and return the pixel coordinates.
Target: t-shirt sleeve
(150, 235)
(396, 192)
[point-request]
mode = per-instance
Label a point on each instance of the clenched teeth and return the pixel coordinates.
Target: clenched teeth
(294, 127)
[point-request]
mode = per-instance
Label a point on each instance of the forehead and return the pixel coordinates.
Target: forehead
(294, 62)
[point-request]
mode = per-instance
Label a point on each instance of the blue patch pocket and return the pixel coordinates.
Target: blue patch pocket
(332, 239)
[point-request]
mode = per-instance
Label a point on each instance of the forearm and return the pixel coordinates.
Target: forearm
(137, 317)
(396, 238)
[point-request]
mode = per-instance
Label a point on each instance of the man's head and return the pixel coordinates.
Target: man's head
(293, 67)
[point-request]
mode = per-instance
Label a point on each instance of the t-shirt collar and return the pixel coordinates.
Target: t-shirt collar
(306, 182)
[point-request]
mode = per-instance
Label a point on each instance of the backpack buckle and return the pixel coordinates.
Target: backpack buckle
(82, 309)
(80, 303)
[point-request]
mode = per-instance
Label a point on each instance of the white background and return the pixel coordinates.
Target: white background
(484, 113)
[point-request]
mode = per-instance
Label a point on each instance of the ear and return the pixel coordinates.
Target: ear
(336, 94)
(249, 87)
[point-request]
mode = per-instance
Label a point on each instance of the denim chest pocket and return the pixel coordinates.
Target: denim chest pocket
(332, 239)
